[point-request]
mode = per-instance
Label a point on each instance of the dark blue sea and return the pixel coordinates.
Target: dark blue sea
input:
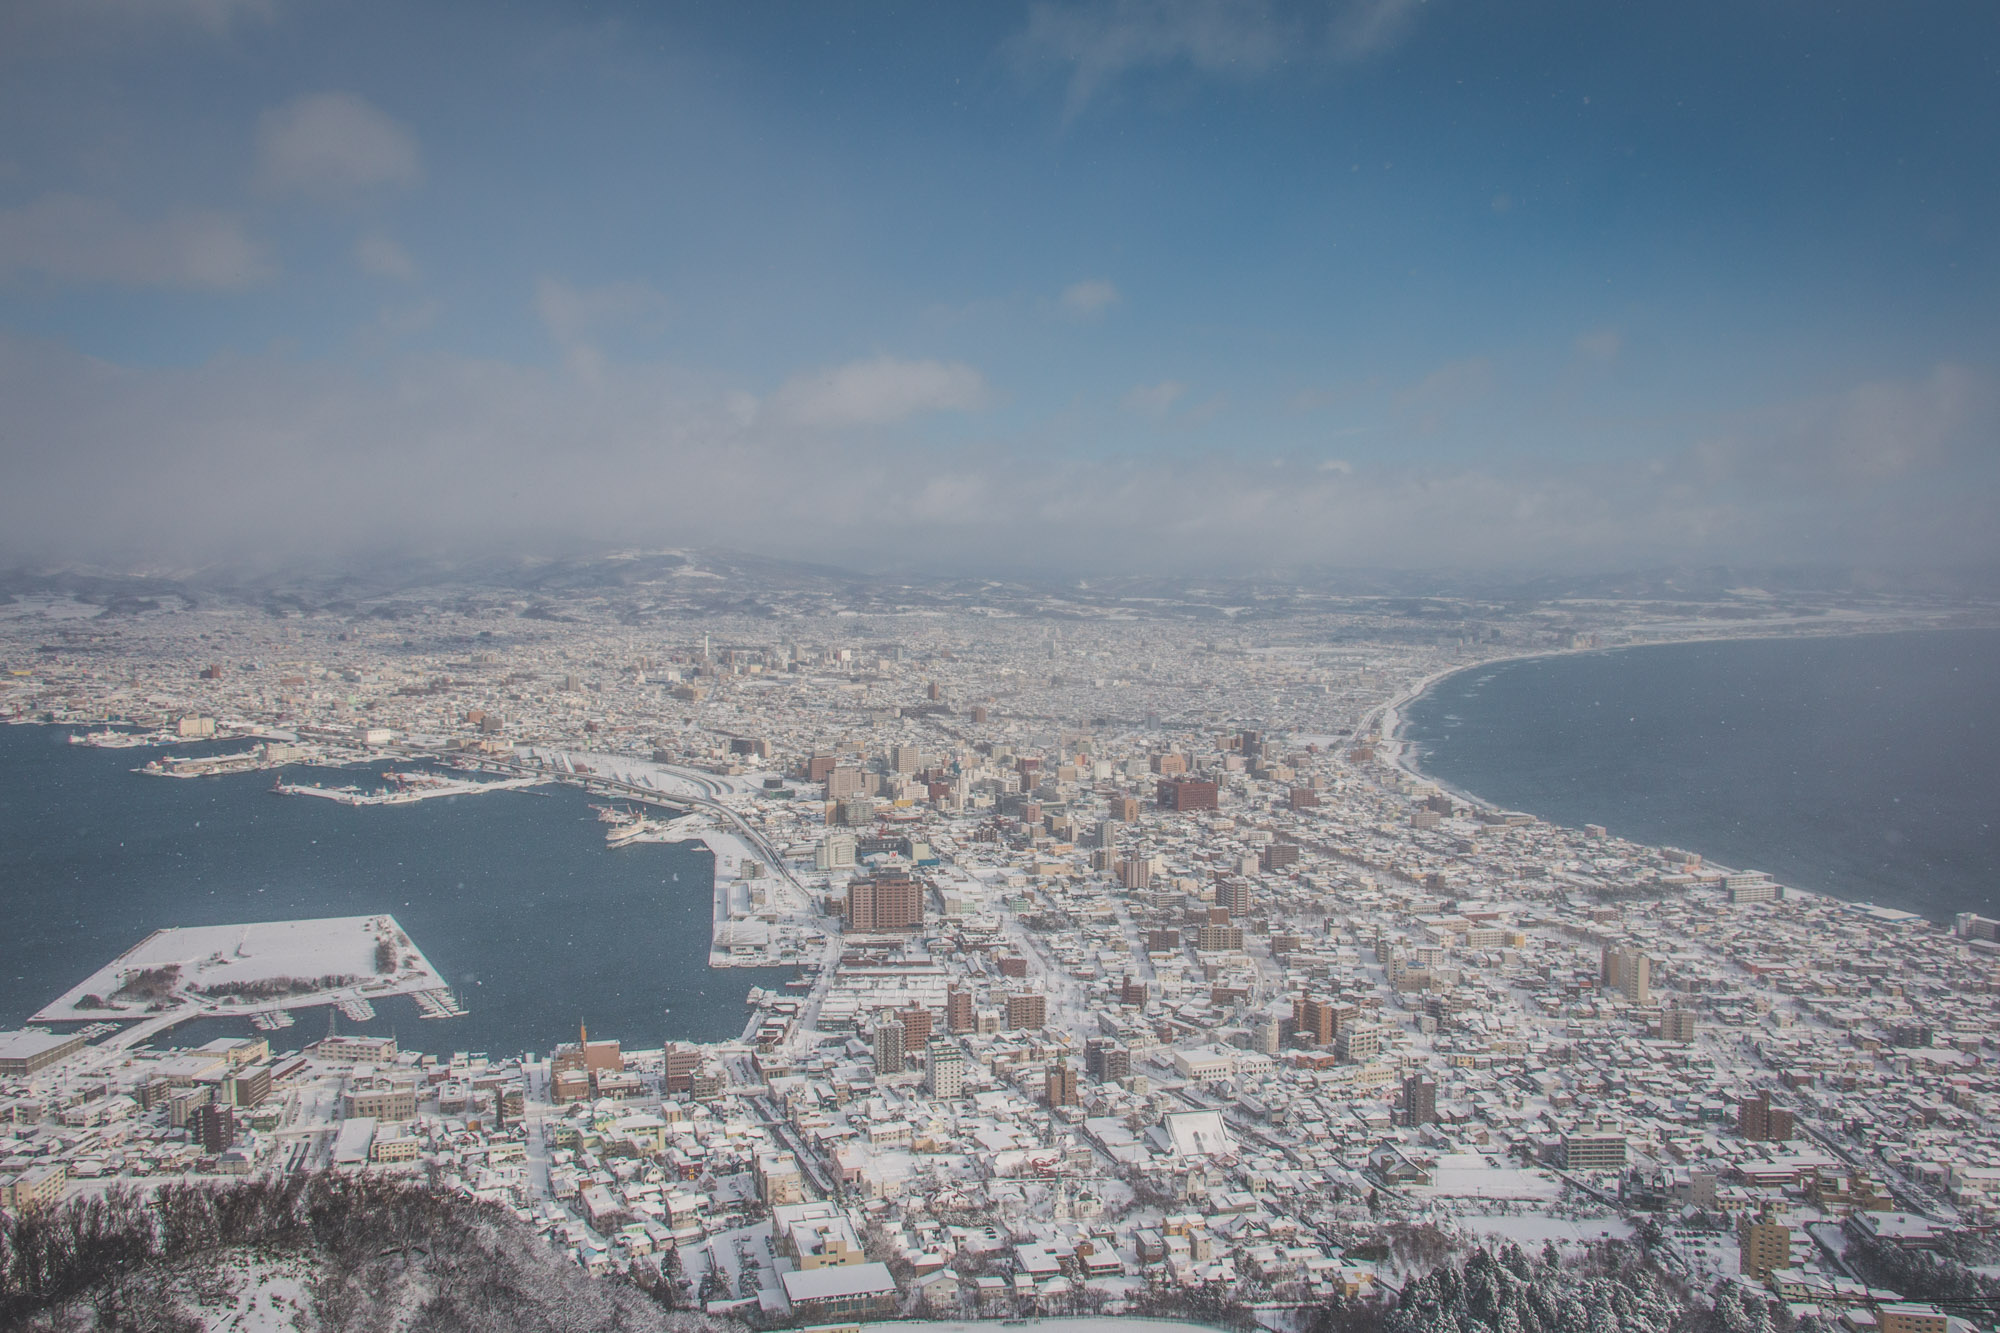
(533, 921)
(1866, 767)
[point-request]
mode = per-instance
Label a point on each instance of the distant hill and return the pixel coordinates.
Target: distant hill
(332, 1254)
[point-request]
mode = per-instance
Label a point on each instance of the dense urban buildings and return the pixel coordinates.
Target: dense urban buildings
(1126, 958)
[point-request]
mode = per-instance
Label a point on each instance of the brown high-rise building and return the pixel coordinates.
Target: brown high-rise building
(1134, 872)
(1125, 809)
(887, 901)
(1062, 1084)
(1233, 896)
(916, 1028)
(1304, 798)
(1132, 992)
(1184, 794)
(1313, 1019)
(1027, 1009)
(1420, 1101)
(214, 1127)
(1761, 1122)
(958, 1012)
(1162, 940)
(1279, 855)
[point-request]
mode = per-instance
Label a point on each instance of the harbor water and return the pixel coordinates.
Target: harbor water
(513, 895)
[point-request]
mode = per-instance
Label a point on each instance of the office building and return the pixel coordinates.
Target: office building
(887, 901)
(1186, 794)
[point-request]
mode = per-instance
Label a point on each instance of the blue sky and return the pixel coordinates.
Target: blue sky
(1064, 285)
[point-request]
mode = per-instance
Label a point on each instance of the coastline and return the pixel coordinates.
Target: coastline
(1401, 753)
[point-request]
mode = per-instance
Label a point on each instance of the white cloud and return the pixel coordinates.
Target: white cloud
(1088, 299)
(1601, 346)
(1368, 27)
(1154, 400)
(573, 315)
(378, 253)
(333, 146)
(1873, 434)
(879, 391)
(1098, 41)
(72, 238)
(125, 16)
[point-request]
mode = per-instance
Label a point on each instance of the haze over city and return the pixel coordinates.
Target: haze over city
(1055, 287)
(1253, 666)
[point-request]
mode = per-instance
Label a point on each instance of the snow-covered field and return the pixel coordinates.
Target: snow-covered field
(200, 966)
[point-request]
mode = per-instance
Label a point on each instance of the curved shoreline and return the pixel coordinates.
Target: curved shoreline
(1402, 752)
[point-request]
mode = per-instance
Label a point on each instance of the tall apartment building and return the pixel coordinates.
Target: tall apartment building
(214, 1127)
(1220, 939)
(1279, 856)
(1062, 1084)
(1761, 1122)
(959, 1015)
(916, 1028)
(1677, 1025)
(1762, 1246)
(1358, 1042)
(1630, 973)
(1313, 1019)
(944, 1070)
(888, 1047)
(1106, 1061)
(1419, 1105)
(1027, 1009)
(886, 901)
(1234, 895)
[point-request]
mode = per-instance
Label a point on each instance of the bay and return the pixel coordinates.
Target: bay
(1866, 766)
(535, 923)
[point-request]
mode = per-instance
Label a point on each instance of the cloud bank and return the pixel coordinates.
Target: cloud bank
(70, 238)
(250, 459)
